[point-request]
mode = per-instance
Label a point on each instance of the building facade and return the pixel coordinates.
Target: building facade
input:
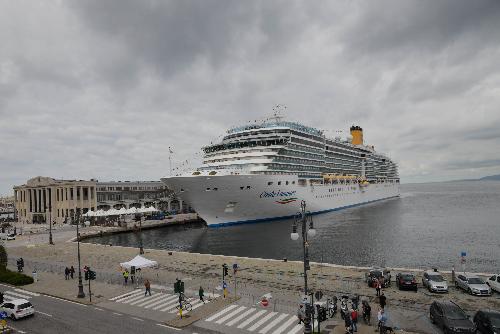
(43, 198)
(126, 194)
(7, 204)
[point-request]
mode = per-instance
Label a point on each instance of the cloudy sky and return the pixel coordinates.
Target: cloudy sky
(102, 88)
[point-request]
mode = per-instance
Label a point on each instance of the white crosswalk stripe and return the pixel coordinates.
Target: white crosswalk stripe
(256, 320)
(285, 325)
(241, 316)
(261, 321)
(273, 323)
(252, 318)
(152, 299)
(232, 314)
(296, 329)
(125, 295)
(158, 301)
(171, 305)
(224, 311)
(20, 294)
(11, 295)
(34, 294)
(128, 296)
(162, 302)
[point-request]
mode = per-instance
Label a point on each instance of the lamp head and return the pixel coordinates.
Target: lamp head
(294, 235)
(311, 232)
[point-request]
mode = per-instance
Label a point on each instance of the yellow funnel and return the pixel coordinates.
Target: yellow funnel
(357, 135)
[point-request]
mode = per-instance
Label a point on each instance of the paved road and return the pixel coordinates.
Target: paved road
(55, 316)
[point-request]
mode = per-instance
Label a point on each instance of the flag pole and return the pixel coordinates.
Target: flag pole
(170, 159)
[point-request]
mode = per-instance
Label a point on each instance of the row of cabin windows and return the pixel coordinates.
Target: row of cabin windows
(270, 183)
(334, 195)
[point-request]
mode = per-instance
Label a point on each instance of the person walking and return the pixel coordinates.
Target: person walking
(382, 319)
(148, 287)
(201, 293)
(66, 273)
(125, 276)
(301, 314)
(72, 272)
(382, 300)
(354, 317)
(348, 323)
(378, 286)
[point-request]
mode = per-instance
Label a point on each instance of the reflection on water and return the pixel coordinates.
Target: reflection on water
(429, 225)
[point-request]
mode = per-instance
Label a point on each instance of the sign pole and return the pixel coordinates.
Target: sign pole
(462, 260)
(90, 293)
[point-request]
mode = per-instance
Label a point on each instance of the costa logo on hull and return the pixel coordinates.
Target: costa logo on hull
(278, 193)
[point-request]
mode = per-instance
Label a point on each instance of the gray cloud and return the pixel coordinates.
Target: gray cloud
(102, 88)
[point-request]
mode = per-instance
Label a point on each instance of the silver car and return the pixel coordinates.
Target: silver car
(434, 282)
(472, 284)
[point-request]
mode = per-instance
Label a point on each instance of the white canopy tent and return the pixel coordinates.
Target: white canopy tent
(122, 211)
(139, 262)
(89, 213)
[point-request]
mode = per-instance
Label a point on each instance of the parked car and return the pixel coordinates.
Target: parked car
(377, 272)
(18, 308)
(487, 321)
(434, 281)
(406, 281)
(472, 284)
(7, 236)
(494, 282)
(450, 317)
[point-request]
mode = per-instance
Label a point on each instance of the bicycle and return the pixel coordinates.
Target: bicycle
(185, 305)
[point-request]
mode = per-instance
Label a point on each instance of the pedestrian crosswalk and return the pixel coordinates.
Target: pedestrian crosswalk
(18, 294)
(158, 301)
(255, 320)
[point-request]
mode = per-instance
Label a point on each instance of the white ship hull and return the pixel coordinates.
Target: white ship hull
(238, 199)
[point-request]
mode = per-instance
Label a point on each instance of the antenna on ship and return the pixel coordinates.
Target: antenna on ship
(277, 110)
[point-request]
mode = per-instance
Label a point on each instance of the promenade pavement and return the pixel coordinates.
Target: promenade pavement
(256, 278)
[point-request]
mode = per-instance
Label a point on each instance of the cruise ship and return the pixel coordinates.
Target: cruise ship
(262, 171)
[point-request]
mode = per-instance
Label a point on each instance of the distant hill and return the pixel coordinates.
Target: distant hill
(491, 178)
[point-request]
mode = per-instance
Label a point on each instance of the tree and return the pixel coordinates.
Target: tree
(3, 258)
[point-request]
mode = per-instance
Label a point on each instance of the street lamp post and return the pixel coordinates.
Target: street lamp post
(50, 225)
(81, 294)
(141, 248)
(305, 220)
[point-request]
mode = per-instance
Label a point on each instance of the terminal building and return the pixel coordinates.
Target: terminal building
(45, 198)
(127, 194)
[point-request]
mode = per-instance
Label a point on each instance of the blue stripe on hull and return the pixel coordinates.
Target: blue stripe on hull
(262, 220)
